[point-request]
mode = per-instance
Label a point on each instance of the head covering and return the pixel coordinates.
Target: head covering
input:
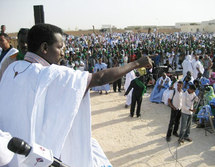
(188, 57)
(209, 95)
(205, 81)
(142, 71)
(212, 102)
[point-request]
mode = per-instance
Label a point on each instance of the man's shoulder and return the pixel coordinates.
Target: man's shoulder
(171, 92)
(134, 80)
(104, 64)
(14, 49)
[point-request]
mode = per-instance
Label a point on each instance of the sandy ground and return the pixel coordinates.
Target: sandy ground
(140, 142)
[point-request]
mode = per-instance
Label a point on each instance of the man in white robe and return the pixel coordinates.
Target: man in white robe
(7, 52)
(187, 65)
(197, 67)
(47, 104)
(161, 85)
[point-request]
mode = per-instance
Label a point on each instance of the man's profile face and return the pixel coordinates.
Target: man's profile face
(55, 52)
(3, 28)
(22, 43)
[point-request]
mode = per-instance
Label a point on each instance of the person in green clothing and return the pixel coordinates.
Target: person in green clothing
(139, 88)
(209, 94)
(22, 43)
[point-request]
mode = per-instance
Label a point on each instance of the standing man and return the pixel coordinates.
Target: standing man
(50, 104)
(197, 67)
(6, 52)
(188, 99)
(3, 28)
(139, 88)
(175, 102)
(207, 64)
(118, 82)
(187, 65)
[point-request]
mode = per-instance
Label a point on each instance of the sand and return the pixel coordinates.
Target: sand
(140, 142)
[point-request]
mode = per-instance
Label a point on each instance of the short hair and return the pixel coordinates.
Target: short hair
(196, 81)
(188, 72)
(23, 31)
(192, 87)
(188, 77)
(40, 33)
(180, 82)
(2, 26)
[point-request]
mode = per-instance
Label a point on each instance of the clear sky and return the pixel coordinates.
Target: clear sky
(82, 14)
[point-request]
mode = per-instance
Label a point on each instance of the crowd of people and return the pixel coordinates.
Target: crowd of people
(193, 94)
(49, 64)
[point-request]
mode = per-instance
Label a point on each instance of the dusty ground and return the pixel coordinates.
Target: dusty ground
(140, 142)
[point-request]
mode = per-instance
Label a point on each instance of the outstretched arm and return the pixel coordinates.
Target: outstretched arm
(128, 90)
(112, 74)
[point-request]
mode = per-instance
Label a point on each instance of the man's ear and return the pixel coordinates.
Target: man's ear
(44, 47)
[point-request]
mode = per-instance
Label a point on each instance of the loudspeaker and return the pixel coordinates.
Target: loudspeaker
(39, 14)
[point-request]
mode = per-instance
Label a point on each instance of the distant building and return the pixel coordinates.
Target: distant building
(205, 26)
(139, 27)
(107, 28)
(153, 29)
(208, 26)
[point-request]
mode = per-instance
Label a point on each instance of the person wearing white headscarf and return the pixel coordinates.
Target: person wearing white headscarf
(187, 66)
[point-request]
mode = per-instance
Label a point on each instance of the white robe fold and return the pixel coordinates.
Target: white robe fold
(5, 154)
(46, 105)
(129, 77)
(198, 65)
(11, 52)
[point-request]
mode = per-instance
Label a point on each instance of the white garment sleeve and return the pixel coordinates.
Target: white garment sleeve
(170, 94)
(5, 154)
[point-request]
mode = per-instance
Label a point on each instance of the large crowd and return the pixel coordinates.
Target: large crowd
(125, 47)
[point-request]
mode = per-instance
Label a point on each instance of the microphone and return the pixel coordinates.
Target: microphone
(36, 156)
